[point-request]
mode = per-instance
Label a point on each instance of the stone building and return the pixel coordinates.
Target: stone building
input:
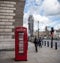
(11, 16)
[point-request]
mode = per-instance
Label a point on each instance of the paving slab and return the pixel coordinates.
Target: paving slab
(44, 55)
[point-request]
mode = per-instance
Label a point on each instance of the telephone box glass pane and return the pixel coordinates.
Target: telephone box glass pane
(21, 42)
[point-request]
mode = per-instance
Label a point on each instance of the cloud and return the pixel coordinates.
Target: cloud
(51, 7)
(25, 19)
(57, 26)
(38, 2)
(43, 22)
(59, 1)
(33, 6)
(48, 7)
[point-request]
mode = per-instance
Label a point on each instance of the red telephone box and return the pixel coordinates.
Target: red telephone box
(21, 43)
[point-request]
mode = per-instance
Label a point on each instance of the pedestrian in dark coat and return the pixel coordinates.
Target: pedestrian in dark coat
(40, 45)
(35, 43)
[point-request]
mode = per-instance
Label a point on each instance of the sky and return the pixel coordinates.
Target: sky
(47, 12)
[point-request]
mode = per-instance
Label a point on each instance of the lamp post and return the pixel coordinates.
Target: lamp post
(38, 29)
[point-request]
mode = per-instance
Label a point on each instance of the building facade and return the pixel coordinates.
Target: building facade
(11, 16)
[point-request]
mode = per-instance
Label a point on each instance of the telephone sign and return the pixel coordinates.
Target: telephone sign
(21, 43)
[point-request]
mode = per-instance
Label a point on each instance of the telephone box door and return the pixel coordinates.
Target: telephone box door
(21, 43)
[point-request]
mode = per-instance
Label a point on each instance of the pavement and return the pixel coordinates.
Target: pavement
(44, 55)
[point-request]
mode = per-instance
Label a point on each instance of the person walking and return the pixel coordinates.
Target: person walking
(40, 45)
(35, 43)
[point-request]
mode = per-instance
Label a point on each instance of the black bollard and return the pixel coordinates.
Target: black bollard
(51, 44)
(47, 43)
(55, 45)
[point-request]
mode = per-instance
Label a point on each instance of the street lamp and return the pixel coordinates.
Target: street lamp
(38, 29)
